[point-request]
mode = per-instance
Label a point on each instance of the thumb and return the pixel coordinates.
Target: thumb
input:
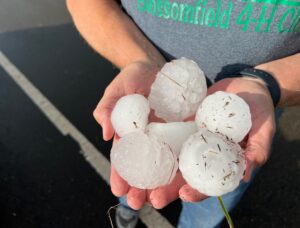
(102, 116)
(103, 112)
(188, 194)
(258, 146)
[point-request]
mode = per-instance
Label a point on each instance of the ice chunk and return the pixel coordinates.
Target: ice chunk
(178, 89)
(225, 113)
(174, 134)
(211, 164)
(144, 161)
(130, 114)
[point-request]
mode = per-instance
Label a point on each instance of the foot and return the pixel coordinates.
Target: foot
(125, 217)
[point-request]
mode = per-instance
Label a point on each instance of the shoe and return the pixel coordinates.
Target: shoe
(125, 217)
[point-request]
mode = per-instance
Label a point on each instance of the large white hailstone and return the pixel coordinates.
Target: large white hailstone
(178, 89)
(211, 164)
(130, 114)
(144, 161)
(225, 113)
(174, 134)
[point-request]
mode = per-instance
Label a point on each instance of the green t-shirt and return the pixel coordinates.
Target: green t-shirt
(222, 36)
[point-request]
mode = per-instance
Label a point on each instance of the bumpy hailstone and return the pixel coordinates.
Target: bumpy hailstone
(211, 164)
(130, 114)
(143, 161)
(174, 134)
(178, 89)
(225, 113)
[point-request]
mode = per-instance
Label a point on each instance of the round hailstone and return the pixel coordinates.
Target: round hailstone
(144, 161)
(130, 114)
(211, 164)
(177, 91)
(174, 134)
(225, 113)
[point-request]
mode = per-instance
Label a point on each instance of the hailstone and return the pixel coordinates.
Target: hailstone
(225, 113)
(178, 89)
(144, 161)
(130, 114)
(211, 164)
(174, 134)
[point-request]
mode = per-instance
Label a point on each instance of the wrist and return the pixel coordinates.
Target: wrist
(266, 68)
(286, 71)
(154, 60)
(266, 80)
(259, 83)
(147, 64)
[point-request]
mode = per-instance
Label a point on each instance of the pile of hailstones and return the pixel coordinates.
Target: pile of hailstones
(206, 151)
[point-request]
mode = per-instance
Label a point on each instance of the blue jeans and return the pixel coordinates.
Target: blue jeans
(208, 213)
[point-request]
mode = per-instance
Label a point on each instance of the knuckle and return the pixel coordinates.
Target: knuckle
(263, 158)
(258, 152)
(96, 114)
(106, 91)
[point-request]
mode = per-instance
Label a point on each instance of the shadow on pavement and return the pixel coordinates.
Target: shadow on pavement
(273, 200)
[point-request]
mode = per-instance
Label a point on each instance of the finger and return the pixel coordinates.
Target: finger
(148, 194)
(136, 198)
(249, 169)
(162, 196)
(188, 194)
(258, 145)
(108, 130)
(102, 115)
(119, 187)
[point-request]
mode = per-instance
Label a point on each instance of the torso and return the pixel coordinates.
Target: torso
(220, 35)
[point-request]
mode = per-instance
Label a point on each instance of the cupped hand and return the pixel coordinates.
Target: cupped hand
(258, 141)
(137, 78)
(134, 78)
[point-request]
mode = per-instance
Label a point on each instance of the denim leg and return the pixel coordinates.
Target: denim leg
(208, 213)
(123, 202)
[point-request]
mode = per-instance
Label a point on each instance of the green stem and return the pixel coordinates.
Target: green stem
(228, 218)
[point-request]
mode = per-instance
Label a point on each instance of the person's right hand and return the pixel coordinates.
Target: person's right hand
(136, 77)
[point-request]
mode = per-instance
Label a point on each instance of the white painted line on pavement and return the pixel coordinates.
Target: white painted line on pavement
(151, 217)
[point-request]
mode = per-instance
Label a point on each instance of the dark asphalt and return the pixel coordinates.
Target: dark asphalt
(45, 181)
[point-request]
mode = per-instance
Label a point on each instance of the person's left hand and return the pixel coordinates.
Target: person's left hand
(257, 144)
(259, 139)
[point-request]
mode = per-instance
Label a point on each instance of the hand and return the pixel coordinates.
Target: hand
(258, 142)
(134, 78)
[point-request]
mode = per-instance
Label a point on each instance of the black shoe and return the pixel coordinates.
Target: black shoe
(125, 217)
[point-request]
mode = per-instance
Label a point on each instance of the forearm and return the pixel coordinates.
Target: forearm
(287, 73)
(112, 33)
